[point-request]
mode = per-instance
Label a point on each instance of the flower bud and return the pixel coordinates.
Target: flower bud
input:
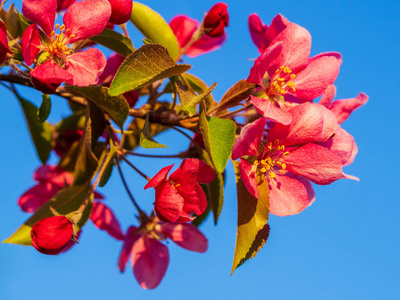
(65, 140)
(216, 20)
(50, 235)
(4, 49)
(120, 11)
(64, 4)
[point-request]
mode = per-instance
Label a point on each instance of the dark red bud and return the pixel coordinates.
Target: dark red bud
(65, 140)
(216, 20)
(50, 235)
(64, 4)
(120, 11)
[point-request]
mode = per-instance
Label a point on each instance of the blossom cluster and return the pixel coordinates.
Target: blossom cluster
(292, 135)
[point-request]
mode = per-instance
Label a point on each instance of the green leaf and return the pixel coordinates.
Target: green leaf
(154, 28)
(72, 122)
(200, 87)
(44, 109)
(24, 22)
(110, 163)
(41, 133)
(146, 140)
(189, 99)
(64, 202)
(114, 41)
(87, 162)
(115, 106)
(147, 64)
(216, 197)
(238, 92)
(219, 137)
(98, 123)
(252, 227)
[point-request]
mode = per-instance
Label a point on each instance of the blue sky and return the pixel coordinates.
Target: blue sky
(345, 246)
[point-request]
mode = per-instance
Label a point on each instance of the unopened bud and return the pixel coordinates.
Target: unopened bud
(120, 11)
(216, 20)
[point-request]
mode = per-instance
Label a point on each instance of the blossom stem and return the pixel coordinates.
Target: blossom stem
(141, 213)
(152, 156)
(120, 155)
(228, 114)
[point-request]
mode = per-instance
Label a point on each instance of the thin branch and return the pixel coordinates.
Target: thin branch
(152, 156)
(133, 167)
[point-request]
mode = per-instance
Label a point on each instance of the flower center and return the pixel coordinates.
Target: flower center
(271, 164)
(59, 42)
(281, 84)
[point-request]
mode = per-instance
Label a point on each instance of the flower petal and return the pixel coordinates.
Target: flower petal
(120, 11)
(249, 140)
(150, 260)
(54, 175)
(205, 44)
(312, 81)
(193, 196)
(159, 177)
(287, 196)
(36, 196)
(270, 111)
(248, 176)
(48, 76)
(41, 12)
(194, 170)
(327, 97)
(104, 219)
(130, 238)
(314, 162)
(86, 18)
(183, 27)
(169, 202)
(85, 66)
(185, 235)
(343, 108)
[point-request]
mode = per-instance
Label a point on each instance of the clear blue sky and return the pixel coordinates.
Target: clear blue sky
(345, 246)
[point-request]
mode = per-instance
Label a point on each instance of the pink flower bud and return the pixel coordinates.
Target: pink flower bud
(64, 4)
(120, 11)
(4, 49)
(50, 235)
(216, 20)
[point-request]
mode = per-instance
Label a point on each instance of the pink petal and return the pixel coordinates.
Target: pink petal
(337, 55)
(48, 76)
(41, 12)
(71, 242)
(327, 97)
(150, 260)
(194, 170)
(343, 145)
(4, 49)
(270, 111)
(343, 108)
(346, 176)
(288, 196)
(205, 44)
(267, 60)
(54, 175)
(183, 27)
(98, 196)
(169, 202)
(113, 63)
(87, 18)
(130, 238)
(249, 140)
(248, 176)
(85, 67)
(104, 219)
(120, 11)
(35, 197)
(193, 196)
(312, 81)
(159, 177)
(314, 162)
(185, 235)
(64, 4)
(296, 47)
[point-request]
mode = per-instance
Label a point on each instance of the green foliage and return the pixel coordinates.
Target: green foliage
(44, 109)
(64, 202)
(114, 41)
(72, 122)
(252, 227)
(216, 195)
(189, 99)
(41, 133)
(219, 137)
(154, 28)
(115, 106)
(110, 163)
(147, 64)
(146, 140)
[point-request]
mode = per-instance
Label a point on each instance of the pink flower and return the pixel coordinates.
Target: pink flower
(261, 34)
(289, 157)
(4, 49)
(288, 76)
(51, 180)
(120, 11)
(51, 235)
(216, 20)
(82, 20)
(179, 196)
(184, 28)
(150, 257)
(113, 63)
(64, 4)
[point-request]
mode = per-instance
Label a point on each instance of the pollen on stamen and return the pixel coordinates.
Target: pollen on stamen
(62, 28)
(57, 26)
